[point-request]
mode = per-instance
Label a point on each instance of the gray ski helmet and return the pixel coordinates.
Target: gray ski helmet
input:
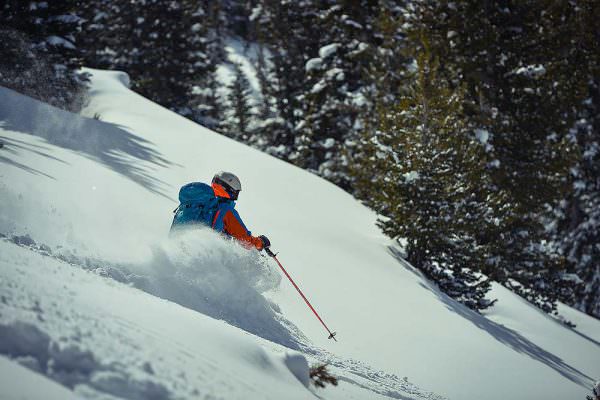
(230, 183)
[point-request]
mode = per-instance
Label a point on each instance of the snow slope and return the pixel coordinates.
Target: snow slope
(12, 379)
(158, 352)
(99, 194)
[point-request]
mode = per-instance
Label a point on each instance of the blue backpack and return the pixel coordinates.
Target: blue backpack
(197, 205)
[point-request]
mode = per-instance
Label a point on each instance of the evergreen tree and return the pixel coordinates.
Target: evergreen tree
(334, 100)
(516, 60)
(208, 109)
(579, 217)
(270, 126)
(38, 51)
(167, 48)
(101, 32)
(429, 169)
(319, 89)
(286, 28)
(321, 377)
(578, 232)
(263, 74)
(389, 67)
(240, 111)
(237, 17)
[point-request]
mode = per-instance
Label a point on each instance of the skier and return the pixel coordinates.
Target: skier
(214, 206)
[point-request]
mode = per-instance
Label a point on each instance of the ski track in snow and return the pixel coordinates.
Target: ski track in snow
(74, 367)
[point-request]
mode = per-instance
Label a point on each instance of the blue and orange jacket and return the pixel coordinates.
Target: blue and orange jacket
(228, 221)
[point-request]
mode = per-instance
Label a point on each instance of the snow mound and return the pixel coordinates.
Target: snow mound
(298, 365)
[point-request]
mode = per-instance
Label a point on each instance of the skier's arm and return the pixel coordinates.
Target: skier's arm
(234, 227)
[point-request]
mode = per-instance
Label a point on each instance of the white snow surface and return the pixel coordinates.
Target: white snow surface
(20, 383)
(97, 302)
(313, 64)
(101, 338)
(482, 135)
(328, 50)
(411, 176)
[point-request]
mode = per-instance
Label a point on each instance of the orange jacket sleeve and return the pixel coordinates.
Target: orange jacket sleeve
(234, 228)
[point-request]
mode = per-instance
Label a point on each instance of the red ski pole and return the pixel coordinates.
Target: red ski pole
(331, 334)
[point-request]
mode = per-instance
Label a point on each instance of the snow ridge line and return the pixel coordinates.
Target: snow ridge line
(347, 370)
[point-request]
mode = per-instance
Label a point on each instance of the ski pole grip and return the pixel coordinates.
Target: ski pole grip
(269, 252)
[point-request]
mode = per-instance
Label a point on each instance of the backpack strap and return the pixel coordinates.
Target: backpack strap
(215, 218)
(223, 206)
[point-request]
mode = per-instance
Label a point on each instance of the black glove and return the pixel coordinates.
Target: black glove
(265, 241)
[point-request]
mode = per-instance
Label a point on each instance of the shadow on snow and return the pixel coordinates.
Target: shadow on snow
(109, 144)
(504, 335)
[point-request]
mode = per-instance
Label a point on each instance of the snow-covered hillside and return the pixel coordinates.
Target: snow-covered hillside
(85, 208)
